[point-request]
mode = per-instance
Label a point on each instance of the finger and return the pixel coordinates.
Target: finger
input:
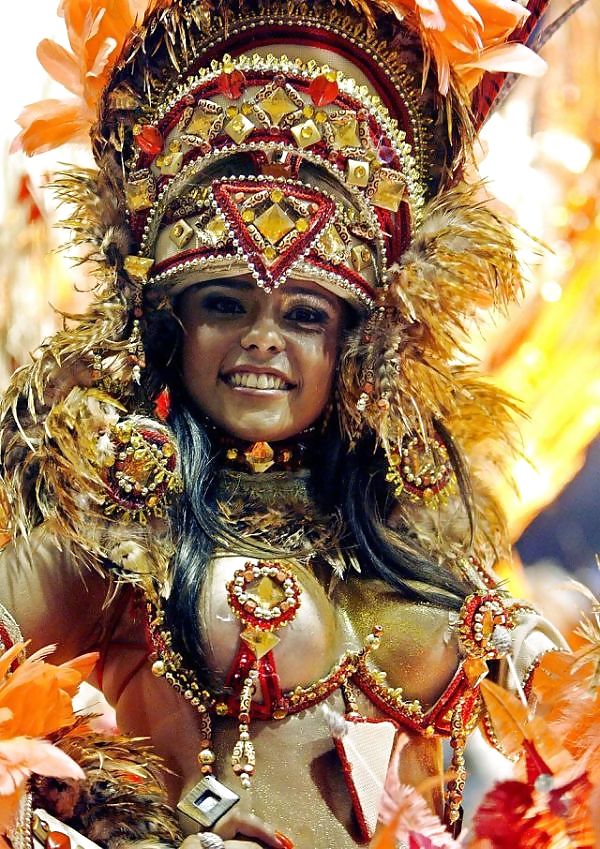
(194, 842)
(240, 844)
(191, 842)
(249, 825)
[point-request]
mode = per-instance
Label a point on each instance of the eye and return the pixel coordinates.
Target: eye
(303, 314)
(223, 304)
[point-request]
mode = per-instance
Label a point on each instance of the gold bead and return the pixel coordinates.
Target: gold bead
(158, 668)
(206, 757)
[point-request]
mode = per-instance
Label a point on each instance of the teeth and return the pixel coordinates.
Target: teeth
(255, 381)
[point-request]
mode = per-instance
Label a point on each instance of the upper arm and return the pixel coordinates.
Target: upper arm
(53, 599)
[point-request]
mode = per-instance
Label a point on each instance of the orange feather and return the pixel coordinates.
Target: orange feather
(97, 31)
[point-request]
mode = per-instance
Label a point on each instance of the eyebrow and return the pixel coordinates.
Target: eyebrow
(229, 283)
(246, 285)
(300, 290)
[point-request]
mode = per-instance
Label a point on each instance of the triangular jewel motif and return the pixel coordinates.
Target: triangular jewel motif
(366, 749)
(259, 642)
(275, 223)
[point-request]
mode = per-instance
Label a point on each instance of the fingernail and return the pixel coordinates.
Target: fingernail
(283, 842)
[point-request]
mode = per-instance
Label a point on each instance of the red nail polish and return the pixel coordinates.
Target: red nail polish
(282, 841)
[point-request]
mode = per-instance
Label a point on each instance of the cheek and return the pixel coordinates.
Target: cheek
(319, 359)
(201, 354)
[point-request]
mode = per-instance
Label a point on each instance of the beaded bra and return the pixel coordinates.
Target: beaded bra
(265, 597)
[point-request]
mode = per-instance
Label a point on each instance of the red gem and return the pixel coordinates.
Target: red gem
(323, 90)
(162, 405)
(57, 840)
(150, 140)
(232, 85)
(386, 154)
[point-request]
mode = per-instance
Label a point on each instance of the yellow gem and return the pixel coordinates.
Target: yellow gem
(345, 132)
(331, 76)
(139, 194)
(270, 253)
(239, 128)
(181, 233)
(277, 196)
(277, 105)
(302, 225)
(332, 245)
(321, 117)
(389, 193)
(221, 709)
(357, 172)
(170, 164)
(268, 592)
(201, 124)
(260, 642)
(232, 453)
(216, 228)
(274, 224)
(307, 133)
(231, 111)
(308, 111)
(248, 215)
(360, 256)
(138, 267)
(246, 109)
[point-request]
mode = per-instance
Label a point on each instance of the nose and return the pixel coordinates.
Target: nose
(263, 336)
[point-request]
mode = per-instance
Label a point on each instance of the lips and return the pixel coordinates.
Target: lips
(261, 381)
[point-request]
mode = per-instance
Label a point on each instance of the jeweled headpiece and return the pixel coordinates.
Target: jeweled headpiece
(278, 138)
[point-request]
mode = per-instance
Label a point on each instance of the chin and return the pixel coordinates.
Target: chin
(261, 434)
(261, 428)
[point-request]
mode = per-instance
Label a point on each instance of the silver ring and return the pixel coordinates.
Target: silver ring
(210, 840)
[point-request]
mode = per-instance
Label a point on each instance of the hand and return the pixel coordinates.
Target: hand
(235, 826)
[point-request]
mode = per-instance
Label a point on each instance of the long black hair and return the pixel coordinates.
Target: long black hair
(350, 482)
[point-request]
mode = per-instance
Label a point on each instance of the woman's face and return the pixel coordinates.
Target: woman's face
(260, 365)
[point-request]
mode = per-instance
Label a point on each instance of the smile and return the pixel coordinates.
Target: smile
(249, 380)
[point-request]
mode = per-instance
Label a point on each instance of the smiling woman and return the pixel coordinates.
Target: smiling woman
(258, 435)
(260, 365)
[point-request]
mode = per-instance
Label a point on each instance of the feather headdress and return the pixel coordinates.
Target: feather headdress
(359, 160)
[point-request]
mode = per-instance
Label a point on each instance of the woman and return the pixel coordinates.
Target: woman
(258, 436)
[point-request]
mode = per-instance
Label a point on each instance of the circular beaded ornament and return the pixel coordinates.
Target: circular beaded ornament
(140, 471)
